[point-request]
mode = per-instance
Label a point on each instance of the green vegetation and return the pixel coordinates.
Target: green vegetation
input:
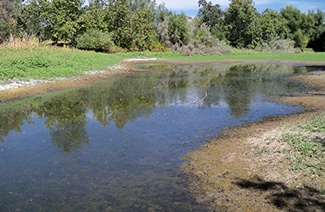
(304, 153)
(303, 147)
(141, 25)
(47, 62)
(51, 62)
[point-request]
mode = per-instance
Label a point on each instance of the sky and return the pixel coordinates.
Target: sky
(190, 7)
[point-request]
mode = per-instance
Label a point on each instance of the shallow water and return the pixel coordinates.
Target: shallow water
(116, 145)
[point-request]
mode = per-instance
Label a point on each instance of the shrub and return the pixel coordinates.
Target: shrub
(197, 48)
(95, 40)
(280, 46)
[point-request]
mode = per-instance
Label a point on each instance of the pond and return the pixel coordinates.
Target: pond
(116, 145)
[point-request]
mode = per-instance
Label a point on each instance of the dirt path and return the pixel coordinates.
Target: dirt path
(243, 169)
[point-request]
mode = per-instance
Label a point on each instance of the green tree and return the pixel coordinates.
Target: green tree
(161, 13)
(241, 21)
(93, 16)
(9, 13)
(274, 26)
(118, 20)
(94, 39)
(30, 20)
(61, 18)
(144, 33)
(178, 29)
(137, 5)
(212, 16)
(300, 25)
(317, 40)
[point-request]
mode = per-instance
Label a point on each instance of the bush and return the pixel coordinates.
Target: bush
(95, 40)
(280, 46)
(197, 48)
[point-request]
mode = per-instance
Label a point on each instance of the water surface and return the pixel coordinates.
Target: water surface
(116, 145)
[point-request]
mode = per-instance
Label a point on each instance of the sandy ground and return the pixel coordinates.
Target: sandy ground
(229, 173)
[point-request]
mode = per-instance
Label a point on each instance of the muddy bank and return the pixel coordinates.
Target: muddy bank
(243, 169)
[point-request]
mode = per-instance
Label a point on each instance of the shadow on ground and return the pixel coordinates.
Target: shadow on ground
(284, 198)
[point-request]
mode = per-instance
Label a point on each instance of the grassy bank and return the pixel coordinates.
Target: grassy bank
(52, 62)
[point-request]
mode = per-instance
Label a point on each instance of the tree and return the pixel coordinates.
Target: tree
(212, 16)
(241, 22)
(274, 26)
(143, 30)
(299, 24)
(9, 13)
(93, 17)
(30, 20)
(94, 39)
(178, 29)
(161, 13)
(317, 40)
(118, 20)
(297, 20)
(137, 5)
(61, 18)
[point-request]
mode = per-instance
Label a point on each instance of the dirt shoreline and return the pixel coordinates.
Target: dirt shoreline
(227, 173)
(230, 173)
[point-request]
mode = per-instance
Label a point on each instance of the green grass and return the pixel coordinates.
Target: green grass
(52, 62)
(305, 153)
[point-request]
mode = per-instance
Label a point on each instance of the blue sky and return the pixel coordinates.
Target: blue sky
(190, 7)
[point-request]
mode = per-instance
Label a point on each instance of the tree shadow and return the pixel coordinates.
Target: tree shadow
(304, 198)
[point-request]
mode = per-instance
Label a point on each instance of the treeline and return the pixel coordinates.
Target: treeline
(138, 25)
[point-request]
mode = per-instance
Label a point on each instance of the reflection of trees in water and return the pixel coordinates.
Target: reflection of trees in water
(13, 121)
(208, 85)
(69, 136)
(124, 100)
(172, 86)
(65, 117)
(127, 98)
(237, 90)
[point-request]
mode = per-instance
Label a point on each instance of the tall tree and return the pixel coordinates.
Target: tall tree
(178, 29)
(274, 26)
(241, 21)
(317, 40)
(62, 18)
(143, 29)
(142, 4)
(212, 16)
(30, 20)
(93, 16)
(299, 24)
(9, 13)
